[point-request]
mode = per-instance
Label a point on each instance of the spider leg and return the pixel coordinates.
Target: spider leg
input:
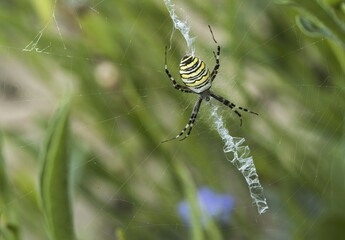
(216, 56)
(190, 123)
(175, 84)
(232, 106)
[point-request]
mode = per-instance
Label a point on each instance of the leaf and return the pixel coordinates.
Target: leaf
(311, 28)
(321, 21)
(284, 2)
(55, 177)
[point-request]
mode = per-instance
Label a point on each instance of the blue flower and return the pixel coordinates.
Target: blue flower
(212, 205)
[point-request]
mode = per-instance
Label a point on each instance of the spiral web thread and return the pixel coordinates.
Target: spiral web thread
(239, 156)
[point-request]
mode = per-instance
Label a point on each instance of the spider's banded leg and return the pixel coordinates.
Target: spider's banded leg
(232, 106)
(190, 123)
(193, 117)
(175, 84)
(216, 56)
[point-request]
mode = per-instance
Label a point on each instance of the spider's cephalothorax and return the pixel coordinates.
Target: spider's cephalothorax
(195, 74)
(198, 79)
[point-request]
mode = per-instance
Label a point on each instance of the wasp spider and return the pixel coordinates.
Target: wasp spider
(198, 79)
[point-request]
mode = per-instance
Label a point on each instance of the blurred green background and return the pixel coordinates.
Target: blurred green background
(85, 104)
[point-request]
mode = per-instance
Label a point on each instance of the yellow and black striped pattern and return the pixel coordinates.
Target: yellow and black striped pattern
(195, 74)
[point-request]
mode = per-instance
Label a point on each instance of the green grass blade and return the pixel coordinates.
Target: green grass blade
(197, 230)
(8, 226)
(55, 177)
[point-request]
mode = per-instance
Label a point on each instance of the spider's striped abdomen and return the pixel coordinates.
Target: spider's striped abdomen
(195, 74)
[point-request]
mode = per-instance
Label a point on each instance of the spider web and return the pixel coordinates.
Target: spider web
(239, 154)
(120, 166)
